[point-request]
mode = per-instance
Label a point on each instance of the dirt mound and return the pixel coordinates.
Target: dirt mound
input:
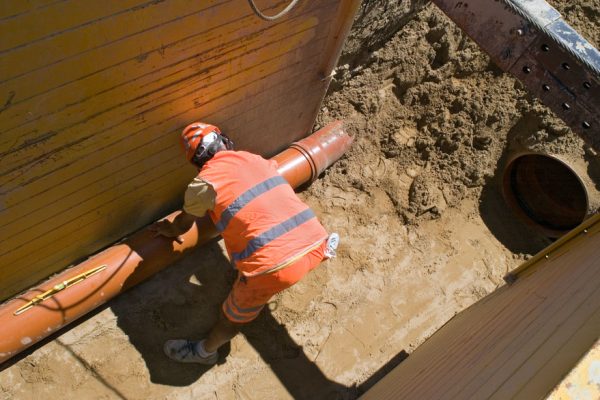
(583, 15)
(433, 107)
(375, 23)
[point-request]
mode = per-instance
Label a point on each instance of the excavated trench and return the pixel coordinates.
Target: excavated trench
(547, 193)
(547, 176)
(418, 202)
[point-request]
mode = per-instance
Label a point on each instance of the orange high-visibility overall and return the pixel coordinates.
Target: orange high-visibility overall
(272, 237)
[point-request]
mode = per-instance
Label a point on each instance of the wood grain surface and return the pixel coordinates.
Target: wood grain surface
(516, 343)
(93, 96)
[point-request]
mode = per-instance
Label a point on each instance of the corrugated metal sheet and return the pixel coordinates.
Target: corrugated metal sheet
(516, 343)
(94, 94)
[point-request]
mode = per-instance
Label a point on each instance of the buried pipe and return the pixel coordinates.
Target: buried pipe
(318, 151)
(32, 316)
(551, 193)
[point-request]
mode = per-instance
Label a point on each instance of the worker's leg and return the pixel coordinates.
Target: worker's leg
(221, 333)
(244, 303)
(249, 295)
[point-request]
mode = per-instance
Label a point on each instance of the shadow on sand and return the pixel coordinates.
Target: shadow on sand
(184, 301)
(500, 220)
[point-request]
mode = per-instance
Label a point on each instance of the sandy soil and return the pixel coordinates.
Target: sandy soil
(424, 235)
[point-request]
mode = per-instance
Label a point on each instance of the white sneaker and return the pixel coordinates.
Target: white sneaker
(185, 351)
(332, 244)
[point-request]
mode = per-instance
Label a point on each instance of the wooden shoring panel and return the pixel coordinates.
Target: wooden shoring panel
(516, 343)
(582, 380)
(93, 96)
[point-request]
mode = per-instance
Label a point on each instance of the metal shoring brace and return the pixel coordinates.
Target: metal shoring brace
(529, 39)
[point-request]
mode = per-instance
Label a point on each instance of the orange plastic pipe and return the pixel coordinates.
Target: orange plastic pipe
(319, 150)
(142, 255)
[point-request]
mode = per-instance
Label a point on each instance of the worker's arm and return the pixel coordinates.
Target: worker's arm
(180, 225)
(199, 198)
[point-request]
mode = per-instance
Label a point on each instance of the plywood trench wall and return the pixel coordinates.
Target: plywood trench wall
(520, 341)
(93, 95)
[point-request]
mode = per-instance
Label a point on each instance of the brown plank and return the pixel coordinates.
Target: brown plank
(501, 345)
(223, 105)
(44, 23)
(134, 23)
(89, 148)
(569, 354)
(180, 50)
(41, 223)
(18, 9)
(495, 318)
(128, 112)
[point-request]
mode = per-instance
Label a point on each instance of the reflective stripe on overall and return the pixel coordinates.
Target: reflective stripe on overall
(260, 217)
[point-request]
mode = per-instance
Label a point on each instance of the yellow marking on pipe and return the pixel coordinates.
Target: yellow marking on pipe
(59, 288)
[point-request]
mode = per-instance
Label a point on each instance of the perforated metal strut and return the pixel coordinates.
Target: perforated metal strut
(529, 39)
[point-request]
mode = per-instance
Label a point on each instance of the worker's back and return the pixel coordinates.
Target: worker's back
(260, 217)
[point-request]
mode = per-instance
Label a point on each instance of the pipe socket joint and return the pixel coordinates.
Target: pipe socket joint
(551, 193)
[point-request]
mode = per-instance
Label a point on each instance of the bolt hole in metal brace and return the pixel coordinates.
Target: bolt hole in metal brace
(534, 43)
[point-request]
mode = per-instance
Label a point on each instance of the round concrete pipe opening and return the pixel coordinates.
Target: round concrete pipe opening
(545, 192)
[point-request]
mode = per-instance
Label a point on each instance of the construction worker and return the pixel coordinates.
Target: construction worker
(273, 239)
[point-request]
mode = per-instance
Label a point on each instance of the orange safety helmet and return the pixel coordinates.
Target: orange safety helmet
(202, 141)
